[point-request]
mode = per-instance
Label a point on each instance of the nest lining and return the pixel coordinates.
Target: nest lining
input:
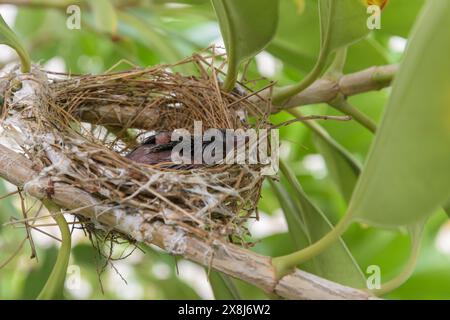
(46, 119)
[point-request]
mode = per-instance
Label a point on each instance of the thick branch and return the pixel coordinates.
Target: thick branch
(230, 259)
(326, 90)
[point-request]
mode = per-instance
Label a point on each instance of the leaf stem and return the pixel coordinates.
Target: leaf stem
(336, 69)
(232, 74)
(284, 93)
(345, 107)
(54, 286)
(8, 37)
(285, 264)
(416, 237)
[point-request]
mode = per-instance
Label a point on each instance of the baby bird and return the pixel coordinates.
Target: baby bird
(157, 150)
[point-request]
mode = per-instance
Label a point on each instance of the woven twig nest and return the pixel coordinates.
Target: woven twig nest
(48, 119)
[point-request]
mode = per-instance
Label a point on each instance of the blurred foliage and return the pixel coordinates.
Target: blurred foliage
(159, 31)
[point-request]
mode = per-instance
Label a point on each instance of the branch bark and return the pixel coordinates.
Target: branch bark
(326, 90)
(227, 258)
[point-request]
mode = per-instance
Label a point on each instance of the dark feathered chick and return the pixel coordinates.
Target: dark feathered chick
(157, 149)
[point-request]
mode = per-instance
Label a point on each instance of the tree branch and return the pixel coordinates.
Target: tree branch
(230, 259)
(326, 90)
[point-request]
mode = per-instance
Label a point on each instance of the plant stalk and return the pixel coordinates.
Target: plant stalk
(53, 288)
(284, 93)
(345, 107)
(391, 285)
(286, 264)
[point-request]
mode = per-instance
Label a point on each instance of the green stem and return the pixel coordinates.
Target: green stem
(8, 37)
(345, 107)
(25, 60)
(54, 286)
(285, 264)
(409, 267)
(336, 69)
(284, 93)
(230, 80)
(232, 74)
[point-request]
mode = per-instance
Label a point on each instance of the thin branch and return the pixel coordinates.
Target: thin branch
(227, 258)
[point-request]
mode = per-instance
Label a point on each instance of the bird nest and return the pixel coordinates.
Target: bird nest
(79, 129)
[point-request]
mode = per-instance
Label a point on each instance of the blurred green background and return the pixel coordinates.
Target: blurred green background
(160, 31)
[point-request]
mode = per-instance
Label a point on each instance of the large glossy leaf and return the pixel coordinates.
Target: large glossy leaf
(407, 177)
(8, 37)
(343, 22)
(247, 27)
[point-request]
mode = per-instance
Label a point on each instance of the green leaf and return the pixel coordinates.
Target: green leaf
(247, 27)
(8, 37)
(105, 16)
(223, 286)
(407, 177)
(343, 22)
